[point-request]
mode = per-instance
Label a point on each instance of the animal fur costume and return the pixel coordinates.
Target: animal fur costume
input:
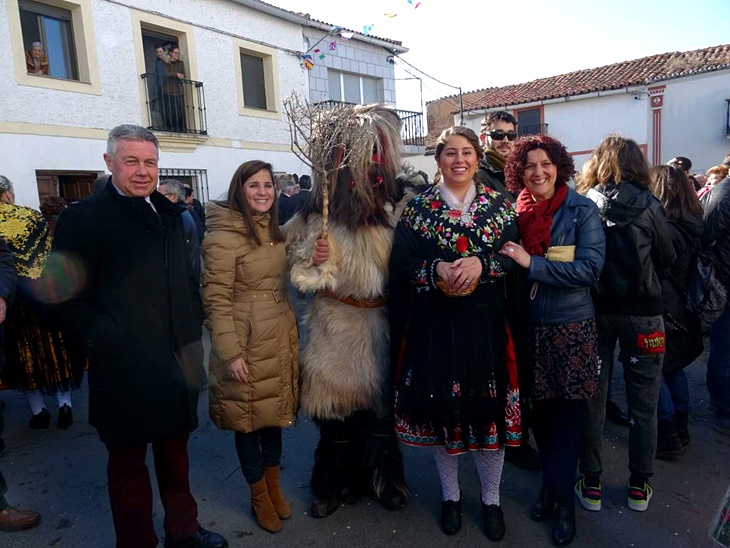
(346, 385)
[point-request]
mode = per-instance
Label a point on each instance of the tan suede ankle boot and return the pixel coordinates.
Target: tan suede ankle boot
(271, 475)
(262, 508)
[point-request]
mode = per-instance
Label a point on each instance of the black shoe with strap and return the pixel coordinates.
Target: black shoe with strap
(41, 421)
(451, 516)
(493, 522)
(201, 539)
(65, 416)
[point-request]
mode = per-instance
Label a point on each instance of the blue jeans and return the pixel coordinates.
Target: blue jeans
(718, 365)
(673, 395)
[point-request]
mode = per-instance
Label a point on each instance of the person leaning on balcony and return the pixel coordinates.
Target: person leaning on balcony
(36, 61)
(173, 91)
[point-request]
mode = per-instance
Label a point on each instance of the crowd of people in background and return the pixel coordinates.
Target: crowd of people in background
(508, 284)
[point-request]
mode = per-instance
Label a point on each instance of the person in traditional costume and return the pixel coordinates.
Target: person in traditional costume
(562, 253)
(38, 360)
(345, 366)
(456, 378)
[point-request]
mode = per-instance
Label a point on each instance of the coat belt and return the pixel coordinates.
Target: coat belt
(275, 295)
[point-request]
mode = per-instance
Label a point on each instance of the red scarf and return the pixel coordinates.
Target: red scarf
(536, 218)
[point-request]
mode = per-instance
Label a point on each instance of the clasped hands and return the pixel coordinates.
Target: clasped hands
(460, 274)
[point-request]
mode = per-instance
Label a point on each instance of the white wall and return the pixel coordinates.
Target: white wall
(694, 120)
(30, 153)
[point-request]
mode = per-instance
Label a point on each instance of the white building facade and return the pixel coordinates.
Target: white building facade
(241, 61)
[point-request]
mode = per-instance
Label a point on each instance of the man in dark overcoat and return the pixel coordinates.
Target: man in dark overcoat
(138, 312)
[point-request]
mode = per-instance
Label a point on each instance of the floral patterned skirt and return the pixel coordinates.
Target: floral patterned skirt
(566, 363)
(461, 438)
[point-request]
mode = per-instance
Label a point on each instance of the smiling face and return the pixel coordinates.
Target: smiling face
(540, 174)
(503, 146)
(259, 191)
(175, 54)
(37, 52)
(458, 161)
(134, 167)
(159, 52)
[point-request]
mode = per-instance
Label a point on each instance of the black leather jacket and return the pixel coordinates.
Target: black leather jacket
(638, 250)
(717, 228)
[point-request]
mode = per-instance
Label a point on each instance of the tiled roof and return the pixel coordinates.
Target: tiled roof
(644, 71)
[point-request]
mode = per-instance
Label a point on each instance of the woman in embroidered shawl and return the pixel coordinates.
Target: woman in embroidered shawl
(562, 253)
(38, 360)
(456, 387)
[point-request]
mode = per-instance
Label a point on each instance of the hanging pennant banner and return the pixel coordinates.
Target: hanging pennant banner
(333, 46)
(347, 35)
(367, 28)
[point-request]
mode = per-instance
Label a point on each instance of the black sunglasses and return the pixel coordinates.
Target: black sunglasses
(498, 135)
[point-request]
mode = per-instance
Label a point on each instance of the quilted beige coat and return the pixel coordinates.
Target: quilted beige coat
(249, 316)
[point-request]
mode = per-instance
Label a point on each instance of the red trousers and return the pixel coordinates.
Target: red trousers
(130, 492)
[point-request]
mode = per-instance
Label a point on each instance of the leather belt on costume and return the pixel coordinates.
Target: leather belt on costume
(354, 302)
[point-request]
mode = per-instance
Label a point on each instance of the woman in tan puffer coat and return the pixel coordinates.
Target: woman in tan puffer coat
(254, 364)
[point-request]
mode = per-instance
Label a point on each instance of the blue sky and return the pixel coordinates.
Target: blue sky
(483, 43)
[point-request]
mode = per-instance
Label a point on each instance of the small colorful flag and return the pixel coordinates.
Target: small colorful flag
(347, 35)
(390, 15)
(317, 50)
(367, 28)
(333, 46)
(322, 55)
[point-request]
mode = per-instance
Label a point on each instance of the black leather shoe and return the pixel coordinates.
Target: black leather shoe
(392, 499)
(323, 507)
(493, 522)
(564, 525)
(544, 506)
(524, 457)
(40, 421)
(201, 539)
(451, 516)
(65, 417)
(616, 415)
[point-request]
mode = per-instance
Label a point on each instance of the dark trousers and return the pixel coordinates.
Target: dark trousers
(130, 492)
(3, 484)
(173, 112)
(641, 340)
(718, 365)
(556, 425)
(257, 450)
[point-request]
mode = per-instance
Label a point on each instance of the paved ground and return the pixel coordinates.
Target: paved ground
(62, 474)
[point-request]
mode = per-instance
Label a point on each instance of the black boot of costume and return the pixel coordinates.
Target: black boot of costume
(383, 463)
(335, 474)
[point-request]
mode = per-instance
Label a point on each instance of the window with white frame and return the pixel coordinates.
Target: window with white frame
(352, 88)
(48, 28)
(257, 76)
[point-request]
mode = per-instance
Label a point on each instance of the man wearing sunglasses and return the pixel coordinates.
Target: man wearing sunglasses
(498, 134)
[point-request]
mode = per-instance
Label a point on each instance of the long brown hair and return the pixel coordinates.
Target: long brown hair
(675, 192)
(237, 200)
(616, 160)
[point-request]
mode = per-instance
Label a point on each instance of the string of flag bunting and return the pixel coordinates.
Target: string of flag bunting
(317, 51)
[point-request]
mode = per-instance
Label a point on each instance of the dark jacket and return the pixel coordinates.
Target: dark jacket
(717, 228)
(172, 84)
(192, 239)
(638, 250)
(494, 179)
(138, 313)
(8, 280)
(684, 330)
(563, 294)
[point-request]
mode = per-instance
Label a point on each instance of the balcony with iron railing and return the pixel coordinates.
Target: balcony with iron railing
(175, 105)
(532, 129)
(412, 134)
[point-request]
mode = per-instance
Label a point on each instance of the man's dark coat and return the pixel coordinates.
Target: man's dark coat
(138, 313)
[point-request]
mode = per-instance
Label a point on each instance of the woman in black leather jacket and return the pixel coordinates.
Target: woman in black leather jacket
(684, 332)
(629, 307)
(562, 252)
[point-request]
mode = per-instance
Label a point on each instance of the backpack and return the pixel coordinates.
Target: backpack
(706, 295)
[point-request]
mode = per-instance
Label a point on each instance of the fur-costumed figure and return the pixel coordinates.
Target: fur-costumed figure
(346, 385)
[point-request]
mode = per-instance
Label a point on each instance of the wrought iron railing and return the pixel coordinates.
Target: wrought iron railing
(412, 133)
(727, 119)
(532, 129)
(175, 105)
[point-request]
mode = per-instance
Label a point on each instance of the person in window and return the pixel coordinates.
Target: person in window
(173, 92)
(36, 61)
(254, 362)
(455, 385)
(562, 253)
(159, 74)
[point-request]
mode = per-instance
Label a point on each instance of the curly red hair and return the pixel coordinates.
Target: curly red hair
(514, 170)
